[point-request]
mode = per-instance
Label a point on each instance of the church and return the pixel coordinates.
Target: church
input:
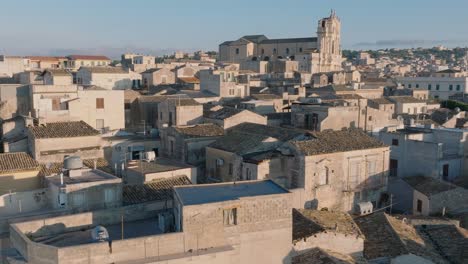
(315, 55)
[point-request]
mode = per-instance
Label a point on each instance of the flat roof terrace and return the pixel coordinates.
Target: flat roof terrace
(212, 193)
(132, 229)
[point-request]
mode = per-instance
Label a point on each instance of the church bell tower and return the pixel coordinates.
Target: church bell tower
(329, 43)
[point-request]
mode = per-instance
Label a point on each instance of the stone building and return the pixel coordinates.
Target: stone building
(57, 77)
(18, 172)
(247, 222)
(225, 82)
(101, 108)
(187, 143)
(74, 62)
(343, 112)
(228, 117)
(110, 78)
(51, 142)
(158, 76)
(323, 52)
(327, 230)
(82, 189)
(179, 111)
(439, 153)
(442, 84)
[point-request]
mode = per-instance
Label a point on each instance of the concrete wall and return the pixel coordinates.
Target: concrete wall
(21, 202)
(20, 181)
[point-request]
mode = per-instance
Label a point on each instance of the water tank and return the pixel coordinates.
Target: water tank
(72, 163)
(364, 208)
(99, 234)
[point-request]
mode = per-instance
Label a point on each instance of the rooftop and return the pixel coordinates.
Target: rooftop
(56, 167)
(282, 134)
(88, 57)
(157, 190)
(201, 130)
(105, 70)
(223, 113)
(323, 256)
(387, 236)
(87, 176)
(306, 223)
(58, 72)
(159, 165)
(133, 229)
(238, 142)
(337, 141)
(381, 101)
(189, 79)
(405, 99)
(17, 162)
(428, 186)
(212, 193)
(63, 130)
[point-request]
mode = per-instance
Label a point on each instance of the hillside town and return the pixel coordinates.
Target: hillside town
(267, 150)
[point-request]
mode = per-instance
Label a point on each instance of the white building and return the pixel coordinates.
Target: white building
(440, 85)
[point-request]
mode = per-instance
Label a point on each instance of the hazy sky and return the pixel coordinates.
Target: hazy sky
(67, 26)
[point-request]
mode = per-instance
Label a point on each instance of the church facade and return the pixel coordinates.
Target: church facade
(314, 54)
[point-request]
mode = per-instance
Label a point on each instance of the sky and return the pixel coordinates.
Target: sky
(110, 27)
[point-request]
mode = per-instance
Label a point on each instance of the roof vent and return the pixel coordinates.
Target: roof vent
(99, 234)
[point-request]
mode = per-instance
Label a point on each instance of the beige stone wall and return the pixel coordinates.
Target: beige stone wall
(60, 144)
(262, 233)
(340, 193)
(20, 181)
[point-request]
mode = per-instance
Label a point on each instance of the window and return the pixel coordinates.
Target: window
(437, 87)
(458, 87)
(274, 51)
(354, 174)
(370, 118)
(248, 174)
(409, 86)
(417, 85)
(230, 217)
(323, 23)
(419, 206)
(429, 87)
(109, 195)
(263, 51)
(393, 167)
(127, 106)
(300, 50)
(237, 51)
(451, 87)
(371, 168)
(170, 119)
(395, 142)
(445, 172)
(231, 169)
(99, 103)
(160, 115)
(287, 50)
(78, 199)
(172, 147)
(55, 104)
(324, 176)
(99, 124)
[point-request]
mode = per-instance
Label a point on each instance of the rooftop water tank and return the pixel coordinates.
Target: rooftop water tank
(72, 163)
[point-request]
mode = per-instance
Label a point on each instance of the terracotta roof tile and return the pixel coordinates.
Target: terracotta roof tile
(158, 190)
(201, 130)
(63, 130)
(16, 162)
(337, 141)
(105, 70)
